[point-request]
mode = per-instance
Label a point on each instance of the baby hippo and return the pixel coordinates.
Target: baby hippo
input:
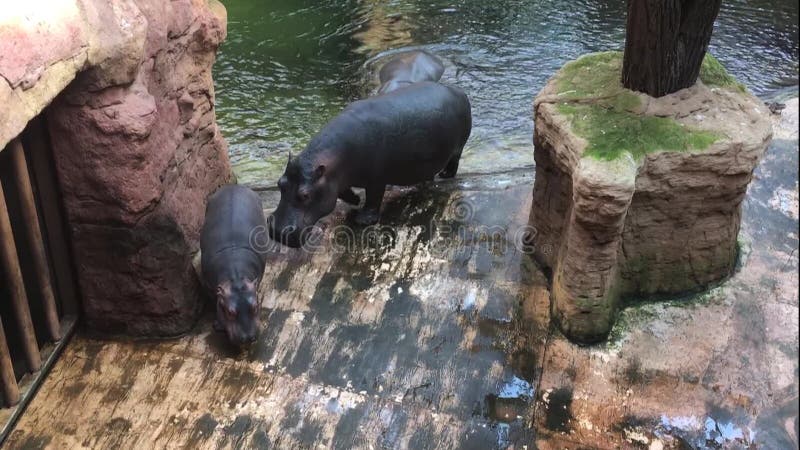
(232, 266)
(407, 68)
(403, 137)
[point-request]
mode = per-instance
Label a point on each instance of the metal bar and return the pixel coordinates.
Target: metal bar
(10, 262)
(29, 385)
(35, 242)
(7, 378)
(40, 158)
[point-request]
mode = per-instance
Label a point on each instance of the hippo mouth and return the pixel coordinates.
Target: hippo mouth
(246, 346)
(288, 236)
(238, 340)
(293, 236)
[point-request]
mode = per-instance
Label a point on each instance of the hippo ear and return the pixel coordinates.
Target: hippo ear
(319, 172)
(289, 161)
(223, 291)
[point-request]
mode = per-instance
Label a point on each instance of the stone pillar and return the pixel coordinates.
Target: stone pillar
(638, 197)
(137, 152)
(585, 288)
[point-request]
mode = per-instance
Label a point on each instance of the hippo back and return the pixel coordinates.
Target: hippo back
(234, 217)
(408, 68)
(442, 109)
(401, 135)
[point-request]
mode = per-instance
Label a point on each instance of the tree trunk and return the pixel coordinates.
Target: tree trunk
(665, 43)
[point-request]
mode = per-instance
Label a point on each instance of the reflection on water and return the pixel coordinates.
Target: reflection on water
(288, 66)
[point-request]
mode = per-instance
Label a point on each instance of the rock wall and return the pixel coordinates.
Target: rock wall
(136, 148)
(656, 219)
(136, 162)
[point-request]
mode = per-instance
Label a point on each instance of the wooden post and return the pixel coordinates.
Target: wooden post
(665, 42)
(40, 159)
(19, 300)
(35, 242)
(7, 378)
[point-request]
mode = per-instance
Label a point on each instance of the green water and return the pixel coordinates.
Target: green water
(287, 67)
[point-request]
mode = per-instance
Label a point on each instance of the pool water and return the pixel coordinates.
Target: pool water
(289, 66)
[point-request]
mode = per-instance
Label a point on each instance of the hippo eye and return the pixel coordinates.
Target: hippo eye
(283, 183)
(302, 196)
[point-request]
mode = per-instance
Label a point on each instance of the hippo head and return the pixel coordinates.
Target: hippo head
(307, 194)
(237, 310)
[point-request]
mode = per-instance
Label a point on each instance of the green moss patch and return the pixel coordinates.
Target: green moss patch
(597, 76)
(610, 133)
(712, 73)
(604, 113)
(627, 320)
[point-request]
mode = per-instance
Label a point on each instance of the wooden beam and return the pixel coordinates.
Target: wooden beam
(35, 242)
(40, 159)
(19, 300)
(7, 378)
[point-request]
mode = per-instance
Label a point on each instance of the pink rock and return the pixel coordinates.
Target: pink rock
(136, 163)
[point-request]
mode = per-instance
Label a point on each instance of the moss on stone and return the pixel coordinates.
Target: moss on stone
(605, 113)
(713, 73)
(610, 133)
(637, 313)
(626, 320)
(597, 76)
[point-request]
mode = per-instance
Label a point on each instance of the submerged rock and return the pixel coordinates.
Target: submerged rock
(634, 195)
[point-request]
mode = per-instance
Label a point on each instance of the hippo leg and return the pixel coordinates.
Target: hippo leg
(371, 212)
(350, 197)
(451, 168)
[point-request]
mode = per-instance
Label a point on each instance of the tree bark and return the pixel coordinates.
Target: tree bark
(665, 43)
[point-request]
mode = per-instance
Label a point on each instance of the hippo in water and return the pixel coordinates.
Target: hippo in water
(231, 265)
(403, 137)
(407, 68)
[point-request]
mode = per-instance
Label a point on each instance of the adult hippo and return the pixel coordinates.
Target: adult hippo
(407, 68)
(403, 137)
(232, 265)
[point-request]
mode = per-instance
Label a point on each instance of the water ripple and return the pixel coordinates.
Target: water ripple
(287, 68)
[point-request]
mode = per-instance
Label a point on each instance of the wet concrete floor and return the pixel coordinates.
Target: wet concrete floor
(433, 331)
